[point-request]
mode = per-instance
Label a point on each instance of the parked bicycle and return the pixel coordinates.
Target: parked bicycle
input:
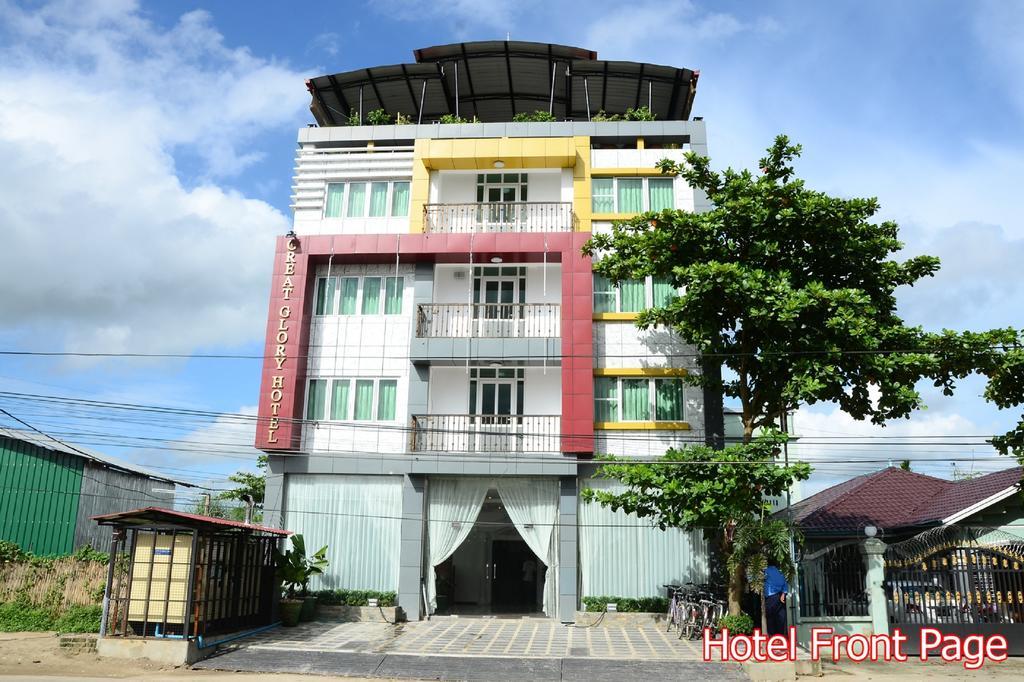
(693, 608)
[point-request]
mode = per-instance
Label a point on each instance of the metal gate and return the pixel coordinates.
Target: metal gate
(958, 580)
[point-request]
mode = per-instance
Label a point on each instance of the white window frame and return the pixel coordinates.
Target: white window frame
(645, 191)
(652, 389)
(335, 304)
(351, 407)
(389, 198)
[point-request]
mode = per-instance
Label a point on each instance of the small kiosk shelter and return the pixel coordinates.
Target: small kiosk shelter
(175, 575)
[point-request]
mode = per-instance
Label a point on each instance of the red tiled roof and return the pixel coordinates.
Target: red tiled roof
(151, 515)
(895, 498)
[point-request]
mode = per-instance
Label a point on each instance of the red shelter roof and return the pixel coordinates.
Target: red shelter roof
(155, 517)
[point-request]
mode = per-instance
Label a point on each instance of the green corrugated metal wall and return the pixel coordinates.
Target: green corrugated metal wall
(39, 491)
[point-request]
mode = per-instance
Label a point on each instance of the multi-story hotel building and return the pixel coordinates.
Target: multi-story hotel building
(442, 363)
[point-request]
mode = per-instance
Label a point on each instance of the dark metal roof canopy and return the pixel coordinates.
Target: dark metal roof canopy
(495, 80)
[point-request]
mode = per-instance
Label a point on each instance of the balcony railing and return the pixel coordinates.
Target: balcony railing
(488, 320)
(532, 216)
(485, 433)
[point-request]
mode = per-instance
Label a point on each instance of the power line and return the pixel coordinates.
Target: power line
(550, 356)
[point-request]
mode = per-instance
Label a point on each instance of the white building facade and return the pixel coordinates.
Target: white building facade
(442, 363)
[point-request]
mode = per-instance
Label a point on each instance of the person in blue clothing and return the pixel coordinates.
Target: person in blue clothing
(776, 589)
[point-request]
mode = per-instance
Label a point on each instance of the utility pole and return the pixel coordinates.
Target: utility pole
(206, 504)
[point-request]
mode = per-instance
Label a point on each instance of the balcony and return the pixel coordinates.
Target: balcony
(526, 216)
(488, 320)
(485, 433)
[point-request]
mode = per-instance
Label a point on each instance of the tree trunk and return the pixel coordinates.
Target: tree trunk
(764, 615)
(735, 591)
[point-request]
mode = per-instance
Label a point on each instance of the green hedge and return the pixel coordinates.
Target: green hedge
(354, 597)
(627, 604)
(740, 624)
(20, 617)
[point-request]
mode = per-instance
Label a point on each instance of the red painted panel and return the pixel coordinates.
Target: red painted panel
(577, 325)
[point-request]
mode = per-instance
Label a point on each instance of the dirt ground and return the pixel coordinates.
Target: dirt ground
(38, 655)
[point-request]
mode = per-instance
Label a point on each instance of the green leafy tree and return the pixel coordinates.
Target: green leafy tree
(251, 484)
(758, 545)
(700, 487)
(1006, 390)
(792, 291)
(905, 465)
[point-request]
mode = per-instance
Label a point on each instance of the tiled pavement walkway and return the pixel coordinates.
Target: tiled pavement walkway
(515, 637)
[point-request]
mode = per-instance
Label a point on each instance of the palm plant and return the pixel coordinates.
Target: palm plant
(294, 568)
(756, 545)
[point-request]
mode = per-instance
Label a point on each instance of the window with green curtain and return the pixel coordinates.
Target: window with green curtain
(356, 200)
(636, 400)
(325, 295)
(387, 393)
(315, 399)
(400, 199)
(668, 399)
(349, 292)
(630, 195)
(339, 399)
(660, 194)
(393, 289)
(602, 192)
(631, 296)
(663, 291)
(364, 400)
(335, 195)
(378, 199)
(606, 399)
(371, 296)
(604, 294)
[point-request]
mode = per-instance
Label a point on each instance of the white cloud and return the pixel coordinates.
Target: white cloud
(105, 247)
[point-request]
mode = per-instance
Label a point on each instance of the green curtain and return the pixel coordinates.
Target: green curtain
(631, 294)
(364, 399)
(663, 291)
(400, 199)
(631, 195)
(660, 193)
(315, 402)
(387, 392)
(325, 287)
(393, 289)
(668, 399)
(602, 195)
(636, 401)
(371, 296)
(356, 200)
(339, 399)
(335, 194)
(349, 291)
(604, 295)
(378, 199)
(606, 403)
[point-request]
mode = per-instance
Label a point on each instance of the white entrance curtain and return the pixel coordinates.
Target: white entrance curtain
(453, 505)
(623, 555)
(532, 504)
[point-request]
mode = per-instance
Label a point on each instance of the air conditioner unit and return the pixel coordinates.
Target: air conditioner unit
(460, 274)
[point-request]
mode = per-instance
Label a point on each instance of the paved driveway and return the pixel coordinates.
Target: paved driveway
(474, 649)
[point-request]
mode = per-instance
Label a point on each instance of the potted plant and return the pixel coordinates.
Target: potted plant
(294, 569)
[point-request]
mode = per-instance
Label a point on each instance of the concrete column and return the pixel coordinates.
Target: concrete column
(273, 496)
(411, 554)
(873, 551)
(568, 566)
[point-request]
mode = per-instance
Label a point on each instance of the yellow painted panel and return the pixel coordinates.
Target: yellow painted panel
(640, 372)
(639, 143)
(486, 149)
(613, 216)
(641, 426)
(616, 317)
(581, 183)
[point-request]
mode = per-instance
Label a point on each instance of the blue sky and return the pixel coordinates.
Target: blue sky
(146, 152)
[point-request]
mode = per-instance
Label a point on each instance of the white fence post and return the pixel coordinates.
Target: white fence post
(873, 551)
